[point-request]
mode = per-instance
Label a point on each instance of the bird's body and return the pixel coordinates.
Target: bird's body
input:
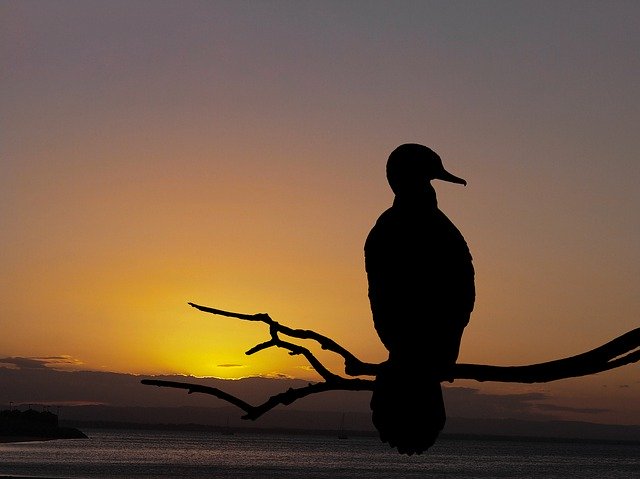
(421, 291)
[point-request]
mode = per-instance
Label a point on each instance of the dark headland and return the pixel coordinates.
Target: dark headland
(31, 425)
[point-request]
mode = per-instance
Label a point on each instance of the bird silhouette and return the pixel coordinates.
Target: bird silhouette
(421, 291)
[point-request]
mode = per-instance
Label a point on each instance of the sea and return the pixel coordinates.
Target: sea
(199, 454)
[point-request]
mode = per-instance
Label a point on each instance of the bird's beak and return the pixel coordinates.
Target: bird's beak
(444, 175)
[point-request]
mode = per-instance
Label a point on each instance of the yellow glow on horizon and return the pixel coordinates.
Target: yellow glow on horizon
(139, 173)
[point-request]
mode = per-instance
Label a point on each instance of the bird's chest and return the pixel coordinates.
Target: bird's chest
(423, 246)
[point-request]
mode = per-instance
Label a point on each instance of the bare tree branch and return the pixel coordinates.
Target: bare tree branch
(352, 365)
(284, 398)
(620, 351)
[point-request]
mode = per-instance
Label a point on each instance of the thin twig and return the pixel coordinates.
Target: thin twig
(352, 365)
(285, 398)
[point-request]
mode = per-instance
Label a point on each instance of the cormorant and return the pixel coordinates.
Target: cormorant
(421, 290)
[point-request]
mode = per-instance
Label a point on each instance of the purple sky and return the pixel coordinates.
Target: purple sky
(232, 153)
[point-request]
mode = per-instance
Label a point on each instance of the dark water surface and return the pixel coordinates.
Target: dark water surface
(182, 454)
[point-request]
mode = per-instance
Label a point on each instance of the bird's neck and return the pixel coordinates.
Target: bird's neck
(422, 199)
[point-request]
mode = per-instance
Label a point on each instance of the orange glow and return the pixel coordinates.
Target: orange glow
(242, 168)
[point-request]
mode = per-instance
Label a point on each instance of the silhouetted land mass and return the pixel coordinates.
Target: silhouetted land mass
(31, 425)
(422, 293)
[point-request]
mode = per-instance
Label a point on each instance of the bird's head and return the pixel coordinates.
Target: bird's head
(411, 167)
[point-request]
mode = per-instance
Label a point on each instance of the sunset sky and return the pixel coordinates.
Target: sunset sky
(232, 153)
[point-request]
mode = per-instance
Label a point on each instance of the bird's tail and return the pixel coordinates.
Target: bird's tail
(407, 410)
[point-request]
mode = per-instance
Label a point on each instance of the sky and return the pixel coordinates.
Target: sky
(232, 154)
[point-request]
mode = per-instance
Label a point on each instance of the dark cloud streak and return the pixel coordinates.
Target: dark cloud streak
(49, 362)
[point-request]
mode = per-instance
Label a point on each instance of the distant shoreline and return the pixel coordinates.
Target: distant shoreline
(305, 432)
(6, 439)
(9, 439)
(31, 477)
(114, 425)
